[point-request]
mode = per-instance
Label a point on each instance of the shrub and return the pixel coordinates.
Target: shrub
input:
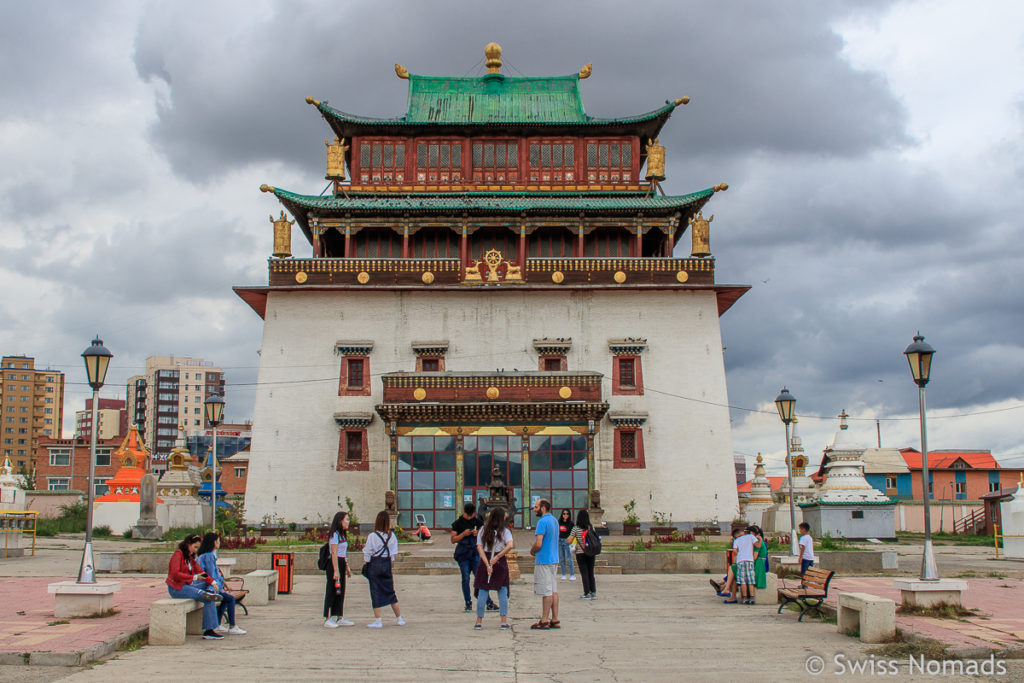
(241, 542)
(102, 530)
(70, 520)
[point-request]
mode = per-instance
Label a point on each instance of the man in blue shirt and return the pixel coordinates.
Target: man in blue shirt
(545, 565)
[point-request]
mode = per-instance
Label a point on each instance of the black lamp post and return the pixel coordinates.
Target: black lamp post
(919, 355)
(214, 405)
(786, 402)
(97, 360)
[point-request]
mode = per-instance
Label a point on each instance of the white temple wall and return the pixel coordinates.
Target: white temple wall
(688, 447)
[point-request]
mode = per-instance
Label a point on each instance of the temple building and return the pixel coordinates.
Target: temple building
(493, 282)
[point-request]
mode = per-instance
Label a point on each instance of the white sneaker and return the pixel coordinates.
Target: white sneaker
(235, 631)
(375, 624)
(331, 623)
(223, 628)
(400, 621)
(572, 578)
(563, 577)
(345, 622)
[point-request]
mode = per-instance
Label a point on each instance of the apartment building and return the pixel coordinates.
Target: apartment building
(31, 407)
(111, 415)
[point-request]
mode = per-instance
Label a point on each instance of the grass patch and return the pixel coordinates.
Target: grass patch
(947, 538)
(135, 641)
(996, 575)
(942, 610)
(104, 614)
(71, 520)
(58, 622)
(969, 574)
(902, 647)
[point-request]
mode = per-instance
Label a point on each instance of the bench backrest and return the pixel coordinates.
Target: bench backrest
(818, 579)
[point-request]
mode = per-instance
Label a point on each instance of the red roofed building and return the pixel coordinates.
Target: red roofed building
(134, 458)
(744, 488)
(957, 474)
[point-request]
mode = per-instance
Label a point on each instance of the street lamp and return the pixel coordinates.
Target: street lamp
(214, 416)
(919, 355)
(97, 360)
(785, 402)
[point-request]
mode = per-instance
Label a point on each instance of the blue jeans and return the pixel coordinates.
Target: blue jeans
(193, 591)
(805, 565)
(227, 605)
(467, 567)
(483, 598)
(565, 556)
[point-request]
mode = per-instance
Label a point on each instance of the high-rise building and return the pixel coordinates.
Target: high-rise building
(31, 407)
(111, 414)
(495, 295)
(169, 394)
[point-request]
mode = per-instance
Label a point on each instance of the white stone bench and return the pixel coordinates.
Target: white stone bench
(875, 617)
(226, 564)
(171, 618)
(262, 586)
(73, 599)
(769, 595)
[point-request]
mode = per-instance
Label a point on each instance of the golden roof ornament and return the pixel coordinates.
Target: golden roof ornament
(493, 53)
(700, 232)
(401, 72)
(587, 70)
(335, 159)
(282, 236)
(310, 100)
(685, 99)
(655, 161)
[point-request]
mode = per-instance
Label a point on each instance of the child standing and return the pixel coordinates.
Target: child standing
(806, 548)
(745, 546)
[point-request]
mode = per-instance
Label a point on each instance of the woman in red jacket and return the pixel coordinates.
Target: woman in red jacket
(185, 579)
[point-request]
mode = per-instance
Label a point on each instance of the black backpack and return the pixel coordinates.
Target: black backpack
(323, 560)
(591, 542)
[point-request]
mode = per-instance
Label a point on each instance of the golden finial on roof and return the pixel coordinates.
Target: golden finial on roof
(493, 53)
(587, 70)
(310, 100)
(683, 100)
(401, 71)
(721, 187)
(842, 419)
(266, 188)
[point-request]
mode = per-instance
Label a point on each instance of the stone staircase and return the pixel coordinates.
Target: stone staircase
(436, 564)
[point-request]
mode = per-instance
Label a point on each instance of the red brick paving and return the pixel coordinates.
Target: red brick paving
(1000, 605)
(26, 609)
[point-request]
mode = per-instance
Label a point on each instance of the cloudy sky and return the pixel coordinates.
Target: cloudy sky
(873, 156)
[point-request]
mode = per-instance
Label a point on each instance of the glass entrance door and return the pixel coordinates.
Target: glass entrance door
(481, 453)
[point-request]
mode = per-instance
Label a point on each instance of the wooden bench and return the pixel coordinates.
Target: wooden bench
(235, 585)
(171, 618)
(262, 586)
(809, 596)
(872, 616)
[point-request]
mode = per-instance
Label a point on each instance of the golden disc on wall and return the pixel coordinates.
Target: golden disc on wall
(419, 394)
(301, 277)
(428, 277)
(492, 393)
(682, 276)
(565, 392)
(363, 277)
(619, 276)
(557, 277)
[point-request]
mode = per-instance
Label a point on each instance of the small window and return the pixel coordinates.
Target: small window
(993, 486)
(961, 487)
(353, 446)
(60, 457)
(240, 473)
(627, 446)
(431, 364)
(62, 484)
(857, 514)
(102, 459)
(890, 483)
(552, 364)
(100, 487)
(627, 372)
(355, 373)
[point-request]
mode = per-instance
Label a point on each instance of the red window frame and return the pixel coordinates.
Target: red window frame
(363, 387)
(609, 160)
(620, 389)
(346, 440)
(495, 160)
(390, 157)
(626, 439)
(552, 160)
(439, 161)
(559, 361)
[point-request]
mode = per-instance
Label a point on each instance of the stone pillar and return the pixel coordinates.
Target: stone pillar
(147, 526)
(393, 478)
(525, 444)
(769, 595)
(591, 470)
(460, 472)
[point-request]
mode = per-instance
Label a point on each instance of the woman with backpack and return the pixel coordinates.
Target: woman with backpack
(337, 572)
(580, 531)
(378, 556)
(492, 544)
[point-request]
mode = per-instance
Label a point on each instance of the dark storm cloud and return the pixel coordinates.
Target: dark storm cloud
(763, 76)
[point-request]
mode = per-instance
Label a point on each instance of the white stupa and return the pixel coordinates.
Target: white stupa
(804, 490)
(12, 496)
(844, 471)
(760, 494)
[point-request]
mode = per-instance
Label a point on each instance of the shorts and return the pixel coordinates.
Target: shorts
(745, 573)
(805, 565)
(545, 579)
